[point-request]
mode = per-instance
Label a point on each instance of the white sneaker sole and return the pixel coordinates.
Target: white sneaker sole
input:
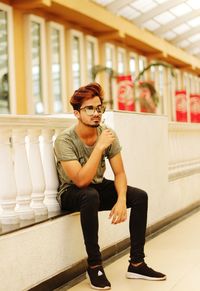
(100, 288)
(95, 287)
(130, 275)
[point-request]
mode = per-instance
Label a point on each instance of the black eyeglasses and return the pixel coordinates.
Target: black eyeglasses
(90, 110)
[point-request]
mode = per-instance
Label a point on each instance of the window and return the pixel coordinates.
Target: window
(190, 84)
(132, 66)
(161, 90)
(178, 79)
(198, 85)
(4, 89)
(110, 86)
(76, 64)
(36, 65)
(121, 61)
(160, 80)
(7, 88)
(153, 73)
(57, 92)
(92, 56)
(185, 76)
(76, 60)
(109, 56)
(141, 67)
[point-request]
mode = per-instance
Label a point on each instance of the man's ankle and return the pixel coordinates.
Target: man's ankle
(136, 264)
(95, 266)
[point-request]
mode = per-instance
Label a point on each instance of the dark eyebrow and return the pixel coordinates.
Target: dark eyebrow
(92, 106)
(89, 106)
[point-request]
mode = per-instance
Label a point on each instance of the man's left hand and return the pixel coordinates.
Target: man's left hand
(118, 213)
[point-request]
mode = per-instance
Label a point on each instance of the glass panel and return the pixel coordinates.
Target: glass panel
(198, 86)
(36, 68)
(184, 81)
(153, 73)
(121, 63)
(160, 69)
(76, 66)
(109, 57)
(4, 86)
(190, 84)
(176, 81)
(161, 87)
(132, 66)
(141, 67)
(90, 59)
(56, 70)
(109, 83)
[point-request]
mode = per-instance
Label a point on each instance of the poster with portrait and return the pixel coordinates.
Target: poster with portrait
(181, 106)
(125, 93)
(148, 97)
(195, 107)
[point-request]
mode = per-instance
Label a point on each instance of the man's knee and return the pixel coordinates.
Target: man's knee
(137, 196)
(90, 196)
(143, 196)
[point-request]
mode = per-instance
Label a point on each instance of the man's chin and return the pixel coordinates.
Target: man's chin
(91, 125)
(95, 123)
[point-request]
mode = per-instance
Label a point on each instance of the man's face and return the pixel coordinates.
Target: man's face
(90, 113)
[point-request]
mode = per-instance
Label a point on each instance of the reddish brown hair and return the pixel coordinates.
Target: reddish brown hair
(84, 93)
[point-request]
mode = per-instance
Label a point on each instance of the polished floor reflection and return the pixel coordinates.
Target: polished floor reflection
(9, 228)
(175, 252)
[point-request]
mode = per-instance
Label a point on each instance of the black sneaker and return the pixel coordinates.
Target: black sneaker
(98, 278)
(144, 272)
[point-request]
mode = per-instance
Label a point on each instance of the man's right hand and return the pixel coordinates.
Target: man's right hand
(105, 139)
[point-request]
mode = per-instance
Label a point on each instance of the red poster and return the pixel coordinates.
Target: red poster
(195, 107)
(181, 106)
(125, 93)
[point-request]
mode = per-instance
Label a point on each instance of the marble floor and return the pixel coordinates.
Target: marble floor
(175, 252)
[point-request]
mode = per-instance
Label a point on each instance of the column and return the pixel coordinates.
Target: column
(50, 172)
(22, 175)
(37, 174)
(8, 189)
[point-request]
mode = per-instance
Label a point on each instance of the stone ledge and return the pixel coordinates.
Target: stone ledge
(9, 228)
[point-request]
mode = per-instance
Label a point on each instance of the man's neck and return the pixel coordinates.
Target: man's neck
(84, 131)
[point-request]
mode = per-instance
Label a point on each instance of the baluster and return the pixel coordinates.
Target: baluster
(37, 174)
(8, 191)
(50, 172)
(22, 175)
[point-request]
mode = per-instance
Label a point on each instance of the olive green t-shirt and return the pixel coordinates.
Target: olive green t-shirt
(69, 147)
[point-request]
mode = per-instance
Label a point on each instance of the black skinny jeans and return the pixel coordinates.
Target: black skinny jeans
(99, 197)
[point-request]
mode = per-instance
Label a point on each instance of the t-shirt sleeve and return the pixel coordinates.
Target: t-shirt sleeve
(64, 149)
(114, 148)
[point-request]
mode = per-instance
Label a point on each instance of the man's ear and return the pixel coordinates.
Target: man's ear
(77, 114)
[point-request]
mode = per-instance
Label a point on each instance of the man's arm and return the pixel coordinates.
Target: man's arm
(82, 175)
(119, 212)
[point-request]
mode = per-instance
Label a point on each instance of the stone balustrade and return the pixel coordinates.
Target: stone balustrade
(160, 157)
(28, 174)
(184, 150)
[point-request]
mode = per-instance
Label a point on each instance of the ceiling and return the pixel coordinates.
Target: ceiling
(177, 21)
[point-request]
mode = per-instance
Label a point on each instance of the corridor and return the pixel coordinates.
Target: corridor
(175, 252)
